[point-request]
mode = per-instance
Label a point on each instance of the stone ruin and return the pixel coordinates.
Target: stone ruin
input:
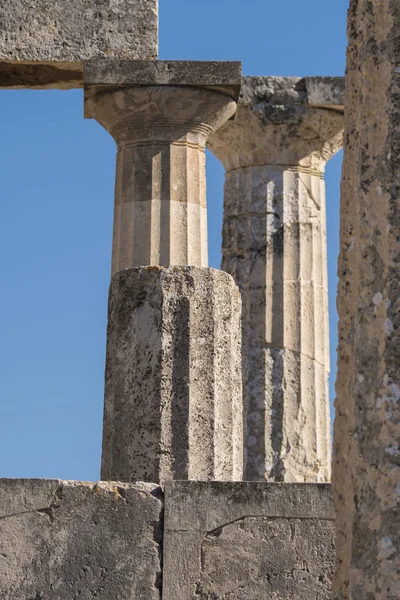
(216, 442)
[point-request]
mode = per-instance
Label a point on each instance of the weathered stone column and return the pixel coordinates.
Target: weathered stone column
(173, 398)
(274, 245)
(161, 131)
(366, 455)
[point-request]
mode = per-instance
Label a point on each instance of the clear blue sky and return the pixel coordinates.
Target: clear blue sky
(57, 177)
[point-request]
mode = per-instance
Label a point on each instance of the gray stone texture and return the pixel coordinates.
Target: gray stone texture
(247, 541)
(44, 43)
(173, 397)
(366, 465)
(160, 215)
(325, 92)
(274, 246)
(225, 76)
(67, 540)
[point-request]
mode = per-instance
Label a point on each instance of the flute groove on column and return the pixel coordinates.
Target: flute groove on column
(274, 246)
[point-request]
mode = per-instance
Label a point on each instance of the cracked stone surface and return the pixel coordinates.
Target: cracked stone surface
(44, 43)
(64, 539)
(173, 395)
(366, 461)
(248, 540)
(274, 246)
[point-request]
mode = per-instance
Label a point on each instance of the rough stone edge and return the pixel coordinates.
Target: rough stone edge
(317, 92)
(223, 76)
(239, 499)
(19, 496)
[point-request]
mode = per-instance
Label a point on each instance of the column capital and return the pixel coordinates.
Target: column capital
(158, 101)
(161, 114)
(283, 121)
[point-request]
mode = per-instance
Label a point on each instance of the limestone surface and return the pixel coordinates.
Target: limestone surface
(223, 76)
(63, 539)
(160, 213)
(366, 465)
(274, 246)
(44, 43)
(173, 399)
(248, 541)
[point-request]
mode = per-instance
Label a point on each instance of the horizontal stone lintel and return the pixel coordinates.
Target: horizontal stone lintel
(317, 92)
(326, 92)
(222, 76)
(44, 43)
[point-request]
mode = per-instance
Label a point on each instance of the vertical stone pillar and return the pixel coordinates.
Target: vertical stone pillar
(366, 455)
(173, 397)
(161, 130)
(274, 245)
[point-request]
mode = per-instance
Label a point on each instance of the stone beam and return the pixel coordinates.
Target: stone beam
(274, 246)
(43, 44)
(366, 454)
(161, 115)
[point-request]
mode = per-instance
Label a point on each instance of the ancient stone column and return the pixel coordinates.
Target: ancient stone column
(173, 398)
(274, 245)
(366, 455)
(161, 130)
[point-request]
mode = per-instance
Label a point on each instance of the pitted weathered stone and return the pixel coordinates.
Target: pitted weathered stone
(248, 541)
(173, 399)
(274, 245)
(74, 539)
(44, 43)
(366, 455)
(161, 131)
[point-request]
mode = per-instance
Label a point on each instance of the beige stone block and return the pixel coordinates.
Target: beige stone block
(366, 454)
(43, 44)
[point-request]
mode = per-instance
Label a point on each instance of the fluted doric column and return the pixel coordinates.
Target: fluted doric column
(161, 131)
(274, 245)
(173, 395)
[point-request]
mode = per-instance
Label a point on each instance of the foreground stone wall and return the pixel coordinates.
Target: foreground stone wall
(242, 541)
(247, 541)
(64, 540)
(44, 43)
(366, 466)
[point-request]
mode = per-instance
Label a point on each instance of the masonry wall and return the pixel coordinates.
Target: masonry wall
(194, 541)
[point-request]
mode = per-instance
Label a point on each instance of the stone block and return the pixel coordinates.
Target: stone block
(224, 76)
(44, 43)
(64, 539)
(326, 92)
(247, 541)
(173, 396)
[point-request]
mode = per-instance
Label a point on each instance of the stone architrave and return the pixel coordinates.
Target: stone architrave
(161, 115)
(366, 456)
(173, 394)
(44, 43)
(274, 246)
